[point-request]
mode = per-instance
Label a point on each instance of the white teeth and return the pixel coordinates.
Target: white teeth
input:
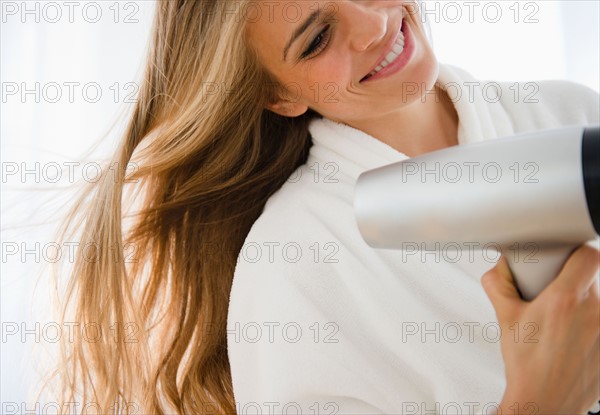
(400, 40)
(391, 56)
(397, 50)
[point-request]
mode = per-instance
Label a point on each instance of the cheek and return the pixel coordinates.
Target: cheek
(329, 75)
(334, 69)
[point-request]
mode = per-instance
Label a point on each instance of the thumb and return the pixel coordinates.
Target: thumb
(500, 288)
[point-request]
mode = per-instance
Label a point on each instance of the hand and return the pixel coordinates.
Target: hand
(557, 369)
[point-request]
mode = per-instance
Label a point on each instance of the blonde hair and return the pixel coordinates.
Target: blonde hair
(208, 155)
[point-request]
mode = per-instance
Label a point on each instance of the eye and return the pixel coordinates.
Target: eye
(318, 44)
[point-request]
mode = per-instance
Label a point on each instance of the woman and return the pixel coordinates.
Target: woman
(243, 284)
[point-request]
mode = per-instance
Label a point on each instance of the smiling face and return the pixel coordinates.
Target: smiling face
(324, 51)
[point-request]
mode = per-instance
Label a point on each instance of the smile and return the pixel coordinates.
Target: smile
(396, 57)
(396, 51)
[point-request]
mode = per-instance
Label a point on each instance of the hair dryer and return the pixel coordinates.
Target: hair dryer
(535, 195)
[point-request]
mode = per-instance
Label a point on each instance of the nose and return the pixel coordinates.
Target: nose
(368, 23)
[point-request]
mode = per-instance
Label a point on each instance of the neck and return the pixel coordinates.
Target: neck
(418, 128)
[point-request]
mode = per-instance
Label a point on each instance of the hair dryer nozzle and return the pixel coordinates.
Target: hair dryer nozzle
(538, 189)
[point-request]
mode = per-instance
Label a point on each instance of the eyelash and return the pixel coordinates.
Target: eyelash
(315, 49)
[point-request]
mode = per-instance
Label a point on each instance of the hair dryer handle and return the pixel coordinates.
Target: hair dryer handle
(534, 274)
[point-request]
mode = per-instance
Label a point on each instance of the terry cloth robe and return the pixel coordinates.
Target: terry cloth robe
(319, 322)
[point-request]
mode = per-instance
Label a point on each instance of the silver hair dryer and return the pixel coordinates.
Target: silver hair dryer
(534, 197)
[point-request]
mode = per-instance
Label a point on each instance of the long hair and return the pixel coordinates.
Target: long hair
(199, 159)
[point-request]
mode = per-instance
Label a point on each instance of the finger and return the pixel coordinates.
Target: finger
(591, 377)
(591, 299)
(594, 290)
(579, 272)
(591, 307)
(499, 285)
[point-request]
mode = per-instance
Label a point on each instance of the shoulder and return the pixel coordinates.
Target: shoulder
(287, 326)
(549, 104)
(287, 247)
(290, 325)
(534, 104)
(572, 100)
(283, 261)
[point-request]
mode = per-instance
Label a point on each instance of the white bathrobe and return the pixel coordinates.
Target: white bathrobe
(319, 322)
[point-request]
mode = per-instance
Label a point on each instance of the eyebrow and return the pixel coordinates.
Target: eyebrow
(301, 29)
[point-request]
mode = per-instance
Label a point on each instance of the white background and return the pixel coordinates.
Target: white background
(545, 40)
